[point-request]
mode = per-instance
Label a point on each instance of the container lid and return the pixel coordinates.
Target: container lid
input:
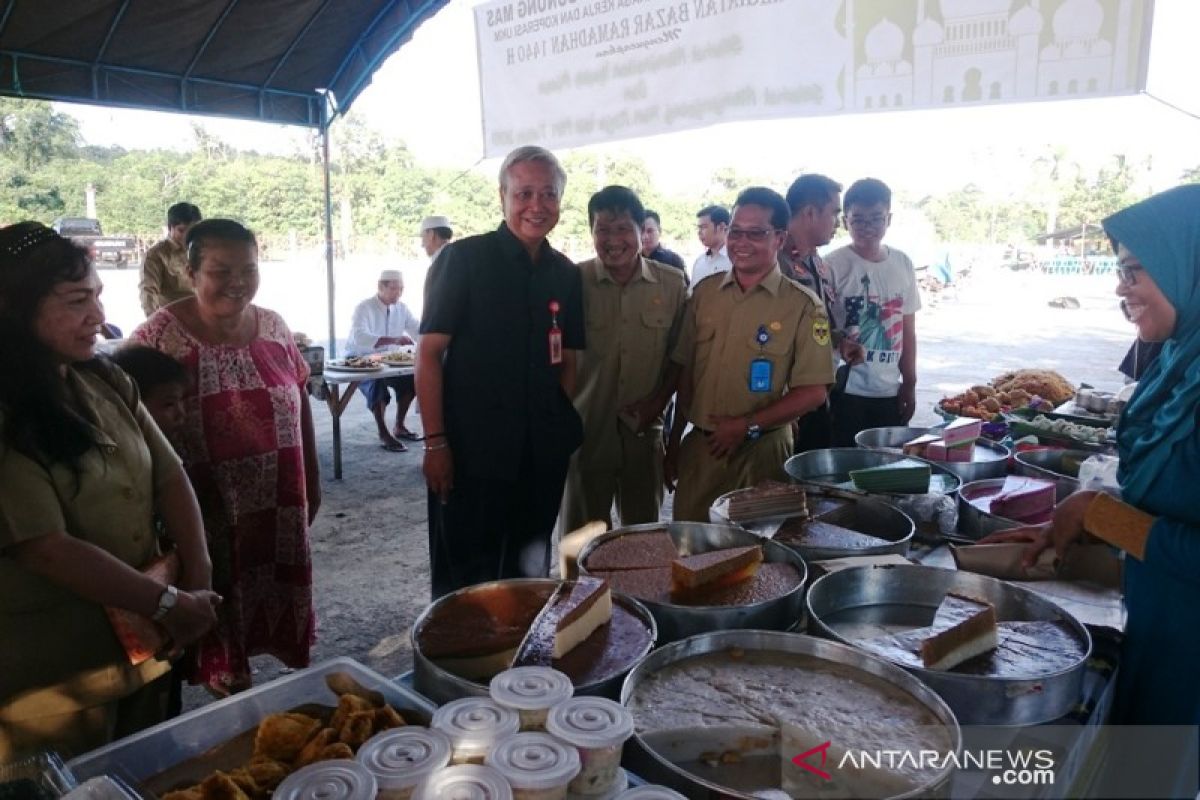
(651, 791)
(475, 723)
(340, 779)
(535, 761)
(590, 722)
(619, 784)
(403, 757)
(464, 782)
(531, 688)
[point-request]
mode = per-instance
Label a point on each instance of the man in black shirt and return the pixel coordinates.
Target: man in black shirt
(502, 325)
(653, 249)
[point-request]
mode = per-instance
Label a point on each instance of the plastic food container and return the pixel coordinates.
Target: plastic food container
(619, 785)
(465, 782)
(475, 725)
(531, 692)
(536, 765)
(403, 757)
(650, 791)
(598, 728)
(340, 779)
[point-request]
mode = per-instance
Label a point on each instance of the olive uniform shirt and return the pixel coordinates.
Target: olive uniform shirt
(630, 332)
(719, 339)
(58, 653)
(164, 276)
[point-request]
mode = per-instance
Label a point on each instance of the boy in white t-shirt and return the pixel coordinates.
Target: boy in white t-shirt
(877, 305)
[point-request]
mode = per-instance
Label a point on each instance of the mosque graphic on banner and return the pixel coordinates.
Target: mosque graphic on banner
(983, 50)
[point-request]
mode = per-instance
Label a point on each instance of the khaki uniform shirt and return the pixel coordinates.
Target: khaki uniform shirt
(164, 276)
(718, 340)
(630, 332)
(58, 653)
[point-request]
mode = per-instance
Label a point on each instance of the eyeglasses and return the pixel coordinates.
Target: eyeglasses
(1128, 274)
(862, 222)
(752, 234)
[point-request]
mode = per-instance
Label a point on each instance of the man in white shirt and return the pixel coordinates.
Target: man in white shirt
(712, 223)
(380, 323)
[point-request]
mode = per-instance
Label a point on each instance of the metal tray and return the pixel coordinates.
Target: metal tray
(988, 460)
(139, 757)
(678, 622)
(869, 515)
(903, 597)
(442, 686)
(644, 759)
(974, 523)
(1051, 464)
(832, 467)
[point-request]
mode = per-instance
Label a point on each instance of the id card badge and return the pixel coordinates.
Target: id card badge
(760, 375)
(554, 337)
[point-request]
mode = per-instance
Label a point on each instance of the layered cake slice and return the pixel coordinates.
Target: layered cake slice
(1024, 499)
(768, 499)
(905, 477)
(570, 616)
(813, 533)
(962, 430)
(959, 453)
(713, 569)
(972, 635)
(917, 446)
(634, 551)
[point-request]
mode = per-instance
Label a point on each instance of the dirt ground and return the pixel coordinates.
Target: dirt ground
(369, 543)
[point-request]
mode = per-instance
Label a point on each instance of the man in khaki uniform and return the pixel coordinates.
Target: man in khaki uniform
(633, 307)
(164, 271)
(754, 347)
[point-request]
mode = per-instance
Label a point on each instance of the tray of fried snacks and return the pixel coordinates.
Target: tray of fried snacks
(242, 747)
(1041, 389)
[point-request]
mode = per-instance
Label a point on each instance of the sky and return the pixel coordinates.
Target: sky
(427, 95)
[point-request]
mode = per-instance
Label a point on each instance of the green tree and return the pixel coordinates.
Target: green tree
(1191, 175)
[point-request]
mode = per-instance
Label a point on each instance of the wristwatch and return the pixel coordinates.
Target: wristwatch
(753, 430)
(166, 601)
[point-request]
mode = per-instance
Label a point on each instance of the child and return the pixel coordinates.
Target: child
(877, 303)
(162, 382)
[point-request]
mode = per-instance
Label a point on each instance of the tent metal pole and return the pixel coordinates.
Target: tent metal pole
(325, 121)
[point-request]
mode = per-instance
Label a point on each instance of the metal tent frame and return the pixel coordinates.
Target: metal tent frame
(295, 62)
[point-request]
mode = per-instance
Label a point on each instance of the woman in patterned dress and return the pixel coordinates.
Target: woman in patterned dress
(248, 447)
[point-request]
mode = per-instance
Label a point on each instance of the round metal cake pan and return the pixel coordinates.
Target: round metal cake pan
(832, 467)
(1053, 465)
(865, 514)
(442, 686)
(988, 460)
(652, 765)
(692, 538)
(890, 438)
(976, 699)
(975, 523)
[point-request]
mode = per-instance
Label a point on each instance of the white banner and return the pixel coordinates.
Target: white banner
(570, 72)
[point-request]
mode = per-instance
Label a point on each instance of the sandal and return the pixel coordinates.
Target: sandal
(405, 433)
(393, 447)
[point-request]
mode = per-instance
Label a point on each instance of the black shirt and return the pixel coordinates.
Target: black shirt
(670, 258)
(500, 393)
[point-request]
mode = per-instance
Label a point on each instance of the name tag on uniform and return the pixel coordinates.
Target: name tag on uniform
(555, 335)
(760, 375)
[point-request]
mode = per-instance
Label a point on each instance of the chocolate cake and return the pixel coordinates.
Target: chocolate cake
(633, 551)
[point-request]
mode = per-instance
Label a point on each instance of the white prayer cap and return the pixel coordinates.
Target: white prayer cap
(390, 275)
(436, 221)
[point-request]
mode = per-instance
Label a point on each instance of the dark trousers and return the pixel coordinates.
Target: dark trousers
(814, 431)
(493, 529)
(852, 414)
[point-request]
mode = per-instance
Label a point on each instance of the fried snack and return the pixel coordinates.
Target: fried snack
(348, 704)
(312, 750)
(283, 736)
(190, 793)
(387, 718)
(245, 781)
(342, 684)
(267, 773)
(359, 727)
(336, 750)
(220, 786)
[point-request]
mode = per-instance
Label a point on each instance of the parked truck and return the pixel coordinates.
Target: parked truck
(117, 251)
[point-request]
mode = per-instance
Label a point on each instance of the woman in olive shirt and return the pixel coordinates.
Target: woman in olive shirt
(83, 469)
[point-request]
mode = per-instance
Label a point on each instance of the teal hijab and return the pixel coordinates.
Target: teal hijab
(1163, 231)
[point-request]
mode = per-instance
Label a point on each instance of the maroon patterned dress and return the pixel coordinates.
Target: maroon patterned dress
(243, 452)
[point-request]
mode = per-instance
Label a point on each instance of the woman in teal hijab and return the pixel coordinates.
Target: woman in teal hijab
(1157, 522)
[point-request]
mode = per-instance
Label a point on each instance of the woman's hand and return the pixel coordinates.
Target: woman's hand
(1064, 529)
(1036, 536)
(439, 471)
(194, 614)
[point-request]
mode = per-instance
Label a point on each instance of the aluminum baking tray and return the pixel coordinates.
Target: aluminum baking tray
(832, 467)
(862, 602)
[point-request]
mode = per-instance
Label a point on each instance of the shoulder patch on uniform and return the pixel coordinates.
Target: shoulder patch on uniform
(805, 290)
(820, 330)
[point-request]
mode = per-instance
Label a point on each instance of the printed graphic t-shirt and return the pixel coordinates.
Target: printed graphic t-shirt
(873, 298)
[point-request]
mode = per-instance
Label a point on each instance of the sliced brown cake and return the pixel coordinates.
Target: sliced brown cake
(973, 634)
(715, 568)
(634, 551)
